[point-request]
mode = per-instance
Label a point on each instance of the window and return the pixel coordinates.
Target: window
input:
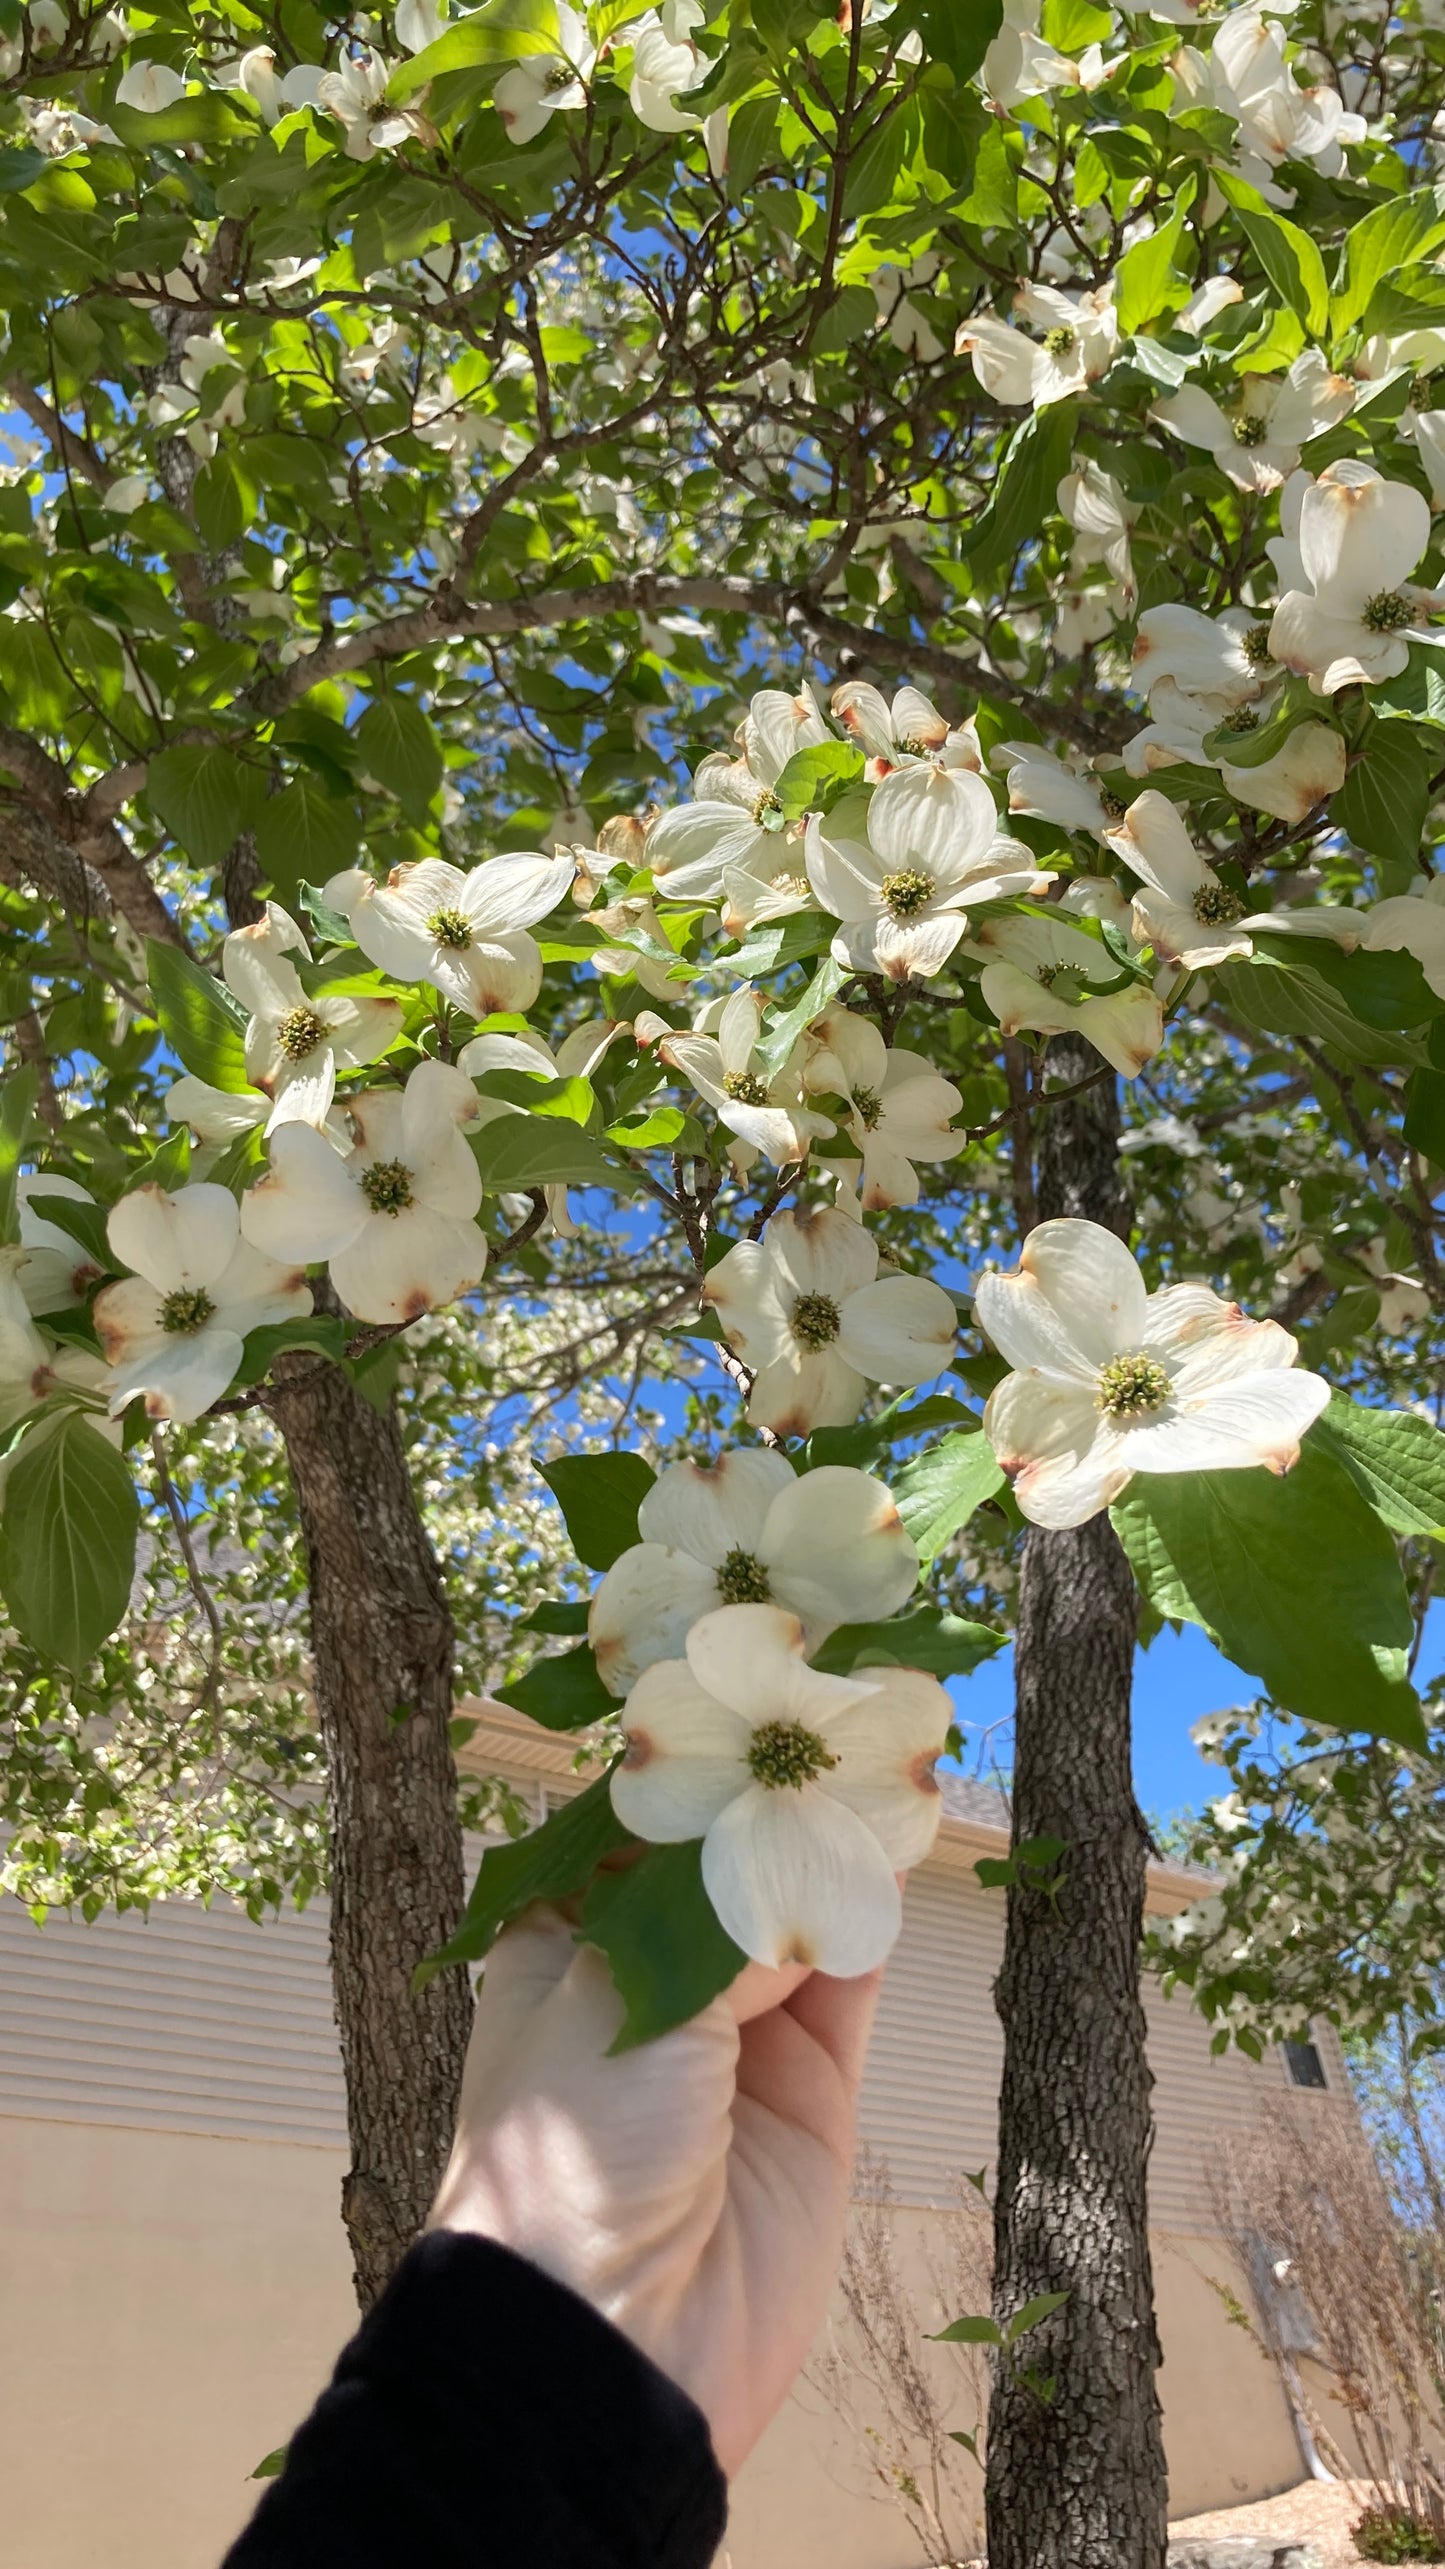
(1305, 2067)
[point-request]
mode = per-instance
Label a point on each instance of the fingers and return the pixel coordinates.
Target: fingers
(758, 1987)
(839, 2014)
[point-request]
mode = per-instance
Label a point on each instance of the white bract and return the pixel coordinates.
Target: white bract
(56, 1271)
(1185, 911)
(1258, 442)
(806, 1308)
(810, 1793)
(1411, 921)
(295, 1044)
(1245, 74)
(910, 728)
(532, 91)
(1046, 789)
(1019, 63)
(721, 1059)
(1207, 674)
(149, 87)
(1352, 618)
(464, 933)
(735, 822)
(1046, 976)
(32, 1371)
(1074, 340)
(934, 845)
(175, 1329)
(1095, 507)
(356, 96)
(1110, 1380)
(665, 62)
(898, 1108)
(828, 1545)
(395, 1219)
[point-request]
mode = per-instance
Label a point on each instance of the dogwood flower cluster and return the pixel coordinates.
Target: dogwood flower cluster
(1108, 1379)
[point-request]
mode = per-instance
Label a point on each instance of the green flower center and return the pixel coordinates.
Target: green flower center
(815, 1321)
(1059, 340)
(1215, 906)
(1255, 645)
(1387, 613)
(907, 893)
(386, 1186)
(913, 749)
(746, 1087)
(299, 1033)
(768, 813)
(1421, 395)
(785, 1755)
(1243, 718)
(1248, 429)
(868, 1107)
(1110, 805)
(186, 1310)
(451, 928)
(1132, 1387)
(560, 75)
(742, 1580)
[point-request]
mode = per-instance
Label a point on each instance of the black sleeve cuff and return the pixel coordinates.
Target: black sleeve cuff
(485, 2417)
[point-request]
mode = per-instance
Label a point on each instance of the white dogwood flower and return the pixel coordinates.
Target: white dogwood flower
(1412, 922)
(1353, 617)
(1110, 1379)
(899, 1109)
(933, 845)
(1184, 910)
(721, 1060)
(1246, 75)
(532, 91)
(149, 88)
(356, 95)
(464, 933)
(395, 1220)
(828, 1546)
(176, 1327)
(910, 728)
(1258, 442)
(1092, 502)
(55, 1272)
(806, 1308)
(1037, 978)
(32, 1371)
(296, 1044)
(810, 1793)
(1222, 661)
(1045, 788)
(666, 63)
(1073, 342)
(1020, 63)
(735, 819)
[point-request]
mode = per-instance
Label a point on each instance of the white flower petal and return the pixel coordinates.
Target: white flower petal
(903, 1329)
(402, 1264)
(174, 1240)
(886, 1751)
(1230, 1427)
(686, 1757)
(308, 1205)
(711, 1509)
(798, 1877)
(836, 1549)
(935, 820)
(181, 1378)
(819, 1252)
(643, 1608)
(1049, 1438)
(511, 892)
(793, 1393)
(1360, 534)
(751, 1659)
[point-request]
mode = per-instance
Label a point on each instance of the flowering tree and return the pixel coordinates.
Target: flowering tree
(425, 434)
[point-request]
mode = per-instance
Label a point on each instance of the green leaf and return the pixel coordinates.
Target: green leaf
(82, 1223)
(873, 172)
(1276, 1000)
(401, 751)
(1385, 989)
(953, 34)
(780, 941)
(273, 2465)
(18, 1093)
(538, 1150)
(847, 319)
(938, 1491)
(67, 1539)
(1412, 300)
(225, 501)
(504, 31)
(667, 1951)
(813, 779)
(1386, 796)
(326, 1335)
(198, 1016)
(945, 1645)
(1296, 1580)
(304, 834)
(206, 797)
(1146, 280)
(1389, 238)
(1397, 1458)
(1040, 2308)
(655, 1130)
(1288, 256)
(968, 2331)
(869, 1438)
(599, 1496)
(1025, 493)
(563, 1693)
(554, 1863)
(782, 1033)
(557, 1614)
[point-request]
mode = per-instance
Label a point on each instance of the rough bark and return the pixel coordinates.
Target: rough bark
(1076, 2479)
(382, 1647)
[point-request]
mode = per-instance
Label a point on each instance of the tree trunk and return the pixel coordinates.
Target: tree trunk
(1076, 2473)
(382, 1646)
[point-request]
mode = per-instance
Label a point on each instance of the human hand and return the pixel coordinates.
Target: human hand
(693, 2190)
